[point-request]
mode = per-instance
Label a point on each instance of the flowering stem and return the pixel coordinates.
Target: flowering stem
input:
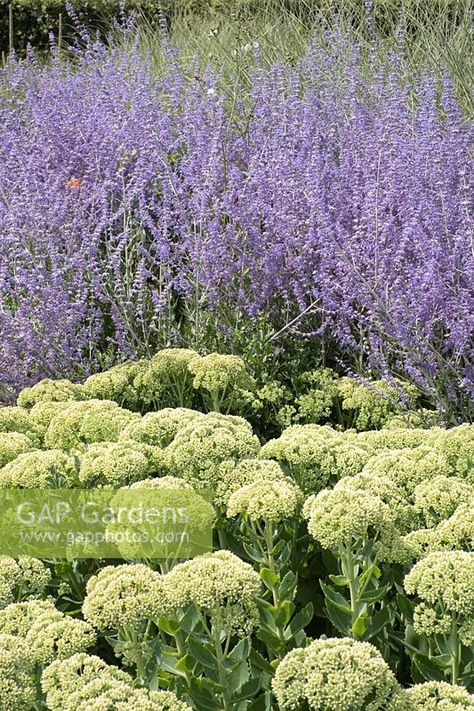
(455, 650)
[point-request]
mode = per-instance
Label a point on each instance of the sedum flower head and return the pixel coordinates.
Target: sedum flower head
(160, 428)
(201, 446)
(22, 578)
(87, 422)
(17, 419)
(372, 404)
(334, 675)
(303, 449)
(443, 580)
(219, 372)
(337, 516)
(221, 585)
(63, 679)
(407, 438)
(116, 383)
(457, 532)
(438, 498)
(16, 619)
(42, 413)
(164, 482)
(113, 463)
(233, 476)
(391, 494)
(268, 500)
(424, 419)
(124, 596)
(50, 390)
(39, 469)
(17, 686)
(53, 635)
(12, 444)
(457, 446)
(439, 696)
(167, 380)
(122, 697)
(409, 467)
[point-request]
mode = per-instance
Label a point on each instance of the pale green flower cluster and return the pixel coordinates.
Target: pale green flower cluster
(50, 390)
(202, 445)
(409, 467)
(267, 500)
(454, 533)
(85, 682)
(220, 375)
(22, 578)
(395, 438)
(42, 413)
(124, 597)
(372, 404)
(48, 633)
(39, 469)
(302, 449)
(442, 581)
(53, 635)
(457, 446)
(389, 492)
(117, 463)
(164, 482)
(336, 516)
(87, 422)
(233, 476)
(116, 384)
(17, 686)
(160, 428)
(221, 585)
(166, 380)
(439, 696)
(334, 675)
(12, 444)
(438, 498)
(426, 419)
(17, 419)
(16, 619)
(346, 457)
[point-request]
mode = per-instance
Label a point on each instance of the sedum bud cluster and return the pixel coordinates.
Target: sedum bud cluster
(17, 684)
(221, 586)
(442, 582)
(437, 499)
(51, 391)
(267, 500)
(85, 682)
(22, 578)
(87, 422)
(160, 428)
(198, 449)
(124, 597)
(341, 515)
(39, 469)
(439, 696)
(12, 444)
(371, 404)
(117, 463)
(334, 675)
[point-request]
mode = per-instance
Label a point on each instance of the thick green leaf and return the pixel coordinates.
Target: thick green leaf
(336, 599)
(301, 619)
(202, 653)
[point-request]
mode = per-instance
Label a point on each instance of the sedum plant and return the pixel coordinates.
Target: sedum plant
(124, 602)
(443, 616)
(86, 682)
(438, 696)
(87, 422)
(40, 469)
(360, 531)
(12, 444)
(48, 390)
(161, 427)
(117, 463)
(199, 448)
(223, 382)
(437, 499)
(17, 681)
(167, 380)
(369, 405)
(335, 675)
(22, 579)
